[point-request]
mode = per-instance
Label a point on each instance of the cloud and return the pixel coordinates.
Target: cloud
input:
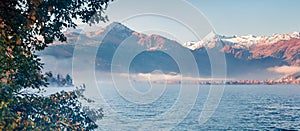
(165, 77)
(286, 70)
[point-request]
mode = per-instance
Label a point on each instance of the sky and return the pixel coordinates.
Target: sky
(258, 17)
(190, 20)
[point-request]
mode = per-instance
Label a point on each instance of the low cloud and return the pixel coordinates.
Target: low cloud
(286, 70)
(165, 77)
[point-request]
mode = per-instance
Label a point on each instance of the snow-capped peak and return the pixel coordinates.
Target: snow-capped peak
(208, 41)
(243, 42)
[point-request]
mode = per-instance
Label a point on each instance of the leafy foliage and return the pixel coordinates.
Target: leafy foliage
(58, 111)
(27, 26)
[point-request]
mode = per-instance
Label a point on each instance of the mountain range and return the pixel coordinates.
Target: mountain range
(246, 56)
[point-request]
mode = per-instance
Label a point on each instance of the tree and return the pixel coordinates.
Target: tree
(69, 80)
(27, 26)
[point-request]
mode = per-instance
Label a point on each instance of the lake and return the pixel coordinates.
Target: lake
(242, 107)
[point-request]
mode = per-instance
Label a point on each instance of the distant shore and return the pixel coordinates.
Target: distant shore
(231, 82)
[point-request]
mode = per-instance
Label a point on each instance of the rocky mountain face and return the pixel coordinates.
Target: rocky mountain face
(245, 55)
(288, 50)
(110, 38)
(278, 46)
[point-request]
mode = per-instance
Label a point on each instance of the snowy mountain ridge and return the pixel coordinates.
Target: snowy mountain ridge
(239, 42)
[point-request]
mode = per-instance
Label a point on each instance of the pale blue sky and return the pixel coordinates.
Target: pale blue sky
(258, 17)
(228, 17)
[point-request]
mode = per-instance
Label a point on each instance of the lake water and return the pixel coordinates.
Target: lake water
(246, 107)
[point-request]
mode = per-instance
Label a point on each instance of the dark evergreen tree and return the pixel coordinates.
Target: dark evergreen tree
(69, 81)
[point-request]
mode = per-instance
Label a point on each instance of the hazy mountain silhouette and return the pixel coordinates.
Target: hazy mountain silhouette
(255, 59)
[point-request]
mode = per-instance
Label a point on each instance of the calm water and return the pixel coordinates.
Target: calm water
(254, 107)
